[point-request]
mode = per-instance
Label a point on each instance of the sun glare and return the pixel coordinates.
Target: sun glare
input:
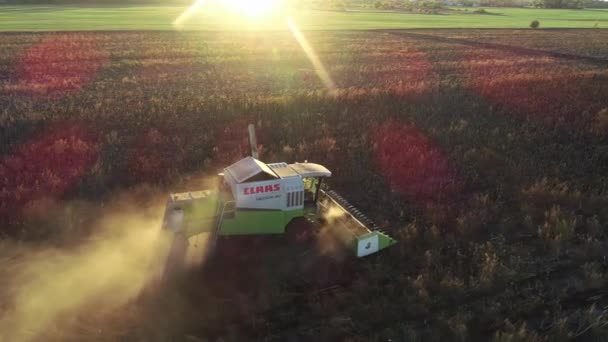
(188, 13)
(310, 53)
(258, 11)
(252, 7)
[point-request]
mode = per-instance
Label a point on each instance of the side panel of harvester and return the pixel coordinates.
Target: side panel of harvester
(257, 222)
(264, 207)
(192, 213)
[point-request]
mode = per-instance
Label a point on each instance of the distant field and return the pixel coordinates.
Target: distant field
(35, 18)
(485, 152)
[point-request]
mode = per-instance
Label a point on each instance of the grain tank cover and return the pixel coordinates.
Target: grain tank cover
(250, 170)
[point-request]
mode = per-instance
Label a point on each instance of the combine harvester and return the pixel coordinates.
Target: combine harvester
(255, 198)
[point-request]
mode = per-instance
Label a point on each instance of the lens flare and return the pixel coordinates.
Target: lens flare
(413, 164)
(48, 165)
(188, 13)
(310, 53)
(58, 66)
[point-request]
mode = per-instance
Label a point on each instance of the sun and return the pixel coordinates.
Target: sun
(254, 8)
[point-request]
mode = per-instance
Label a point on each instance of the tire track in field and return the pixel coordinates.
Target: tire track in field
(518, 50)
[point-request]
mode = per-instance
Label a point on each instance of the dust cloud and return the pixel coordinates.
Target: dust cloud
(333, 213)
(41, 287)
(333, 237)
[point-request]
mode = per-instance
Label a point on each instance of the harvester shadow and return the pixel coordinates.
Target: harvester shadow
(250, 276)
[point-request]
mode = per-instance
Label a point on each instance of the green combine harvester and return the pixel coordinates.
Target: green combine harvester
(256, 198)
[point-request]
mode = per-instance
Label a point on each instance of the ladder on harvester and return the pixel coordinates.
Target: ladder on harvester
(216, 230)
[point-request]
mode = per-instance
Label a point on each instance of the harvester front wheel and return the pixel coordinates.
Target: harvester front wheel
(299, 231)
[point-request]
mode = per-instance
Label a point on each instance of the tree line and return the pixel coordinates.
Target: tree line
(95, 2)
(342, 4)
(407, 4)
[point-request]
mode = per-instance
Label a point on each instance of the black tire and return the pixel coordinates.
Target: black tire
(300, 231)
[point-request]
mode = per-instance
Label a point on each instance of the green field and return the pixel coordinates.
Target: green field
(45, 18)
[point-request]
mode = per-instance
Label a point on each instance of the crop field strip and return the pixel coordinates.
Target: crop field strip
(554, 269)
(467, 98)
(71, 18)
(571, 41)
(511, 49)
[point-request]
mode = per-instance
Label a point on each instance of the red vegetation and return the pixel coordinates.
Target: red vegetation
(59, 65)
(543, 89)
(47, 165)
(414, 78)
(412, 163)
(233, 142)
(155, 155)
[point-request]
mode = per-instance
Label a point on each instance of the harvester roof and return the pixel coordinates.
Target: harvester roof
(250, 169)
